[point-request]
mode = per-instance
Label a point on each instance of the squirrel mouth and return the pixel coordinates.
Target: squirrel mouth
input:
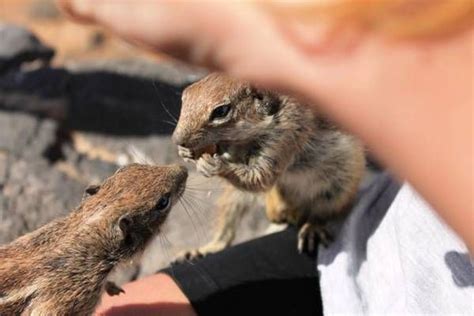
(210, 149)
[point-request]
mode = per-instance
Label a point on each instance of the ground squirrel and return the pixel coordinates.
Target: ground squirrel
(268, 146)
(62, 268)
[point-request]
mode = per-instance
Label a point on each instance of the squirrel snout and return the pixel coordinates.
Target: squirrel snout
(180, 174)
(178, 139)
(181, 171)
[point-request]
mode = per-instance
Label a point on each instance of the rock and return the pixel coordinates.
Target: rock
(113, 103)
(41, 91)
(32, 193)
(3, 169)
(170, 72)
(19, 45)
(120, 98)
(18, 130)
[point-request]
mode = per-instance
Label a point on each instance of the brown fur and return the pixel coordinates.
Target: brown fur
(271, 143)
(61, 268)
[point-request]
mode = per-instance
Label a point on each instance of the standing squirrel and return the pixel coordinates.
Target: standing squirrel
(62, 267)
(268, 146)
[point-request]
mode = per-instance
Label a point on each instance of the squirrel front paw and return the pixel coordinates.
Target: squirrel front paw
(186, 153)
(210, 166)
(188, 255)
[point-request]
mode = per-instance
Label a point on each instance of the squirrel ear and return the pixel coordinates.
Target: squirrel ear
(124, 224)
(266, 102)
(91, 190)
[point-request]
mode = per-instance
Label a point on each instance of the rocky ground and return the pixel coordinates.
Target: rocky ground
(64, 127)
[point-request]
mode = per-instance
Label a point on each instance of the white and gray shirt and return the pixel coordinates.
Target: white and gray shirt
(393, 255)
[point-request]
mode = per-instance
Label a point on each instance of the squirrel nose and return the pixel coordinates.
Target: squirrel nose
(180, 170)
(178, 139)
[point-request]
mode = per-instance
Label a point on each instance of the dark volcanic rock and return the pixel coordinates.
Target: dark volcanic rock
(120, 104)
(33, 191)
(121, 98)
(18, 45)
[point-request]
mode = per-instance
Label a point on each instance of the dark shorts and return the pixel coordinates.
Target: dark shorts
(265, 276)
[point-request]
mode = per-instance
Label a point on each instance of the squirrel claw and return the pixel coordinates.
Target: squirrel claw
(201, 252)
(208, 165)
(188, 256)
(307, 236)
(189, 160)
(186, 153)
(113, 289)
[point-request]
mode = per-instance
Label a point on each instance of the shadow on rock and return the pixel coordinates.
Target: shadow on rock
(96, 100)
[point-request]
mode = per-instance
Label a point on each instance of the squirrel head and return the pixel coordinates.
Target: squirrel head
(219, 108)
(130, 206)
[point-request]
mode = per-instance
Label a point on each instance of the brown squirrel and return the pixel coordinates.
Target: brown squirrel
(261, 141)
(62, 267)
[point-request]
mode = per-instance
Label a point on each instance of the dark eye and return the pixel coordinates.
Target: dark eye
(220, 112)
(163, 202)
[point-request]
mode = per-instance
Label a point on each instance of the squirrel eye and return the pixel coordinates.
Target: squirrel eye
(163, 202)
(220, 112)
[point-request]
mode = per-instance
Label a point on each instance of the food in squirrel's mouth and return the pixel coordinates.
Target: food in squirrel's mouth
(209, 149)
